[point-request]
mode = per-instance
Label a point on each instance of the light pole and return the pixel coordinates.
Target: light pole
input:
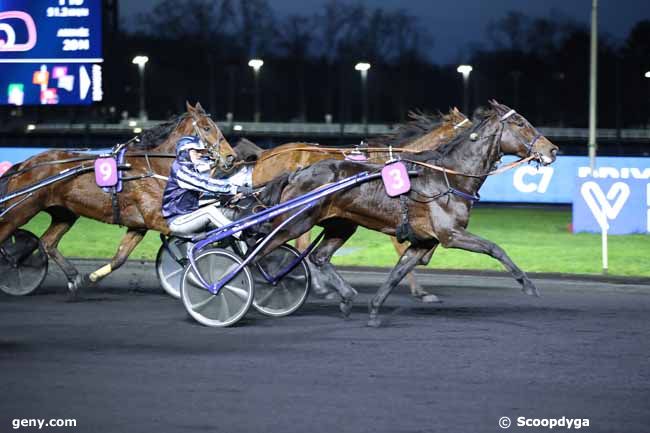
(141, 61)
(363, 68)
(256, 64)
(593, 81)
(647, 75)
(465, 70)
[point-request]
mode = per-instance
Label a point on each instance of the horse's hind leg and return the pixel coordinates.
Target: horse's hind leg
(337, 232)
(462, 239)
(417, 290)
(17, 217)
(127, 245)
(62, 221)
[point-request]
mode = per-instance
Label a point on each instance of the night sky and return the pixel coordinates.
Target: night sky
(455, 25)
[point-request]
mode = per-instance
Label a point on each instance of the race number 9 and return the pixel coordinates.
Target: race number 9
(396, 179)
(105, 172)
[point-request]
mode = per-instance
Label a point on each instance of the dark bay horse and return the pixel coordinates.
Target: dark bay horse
(439, 203)
(422, 132)
(139, 203)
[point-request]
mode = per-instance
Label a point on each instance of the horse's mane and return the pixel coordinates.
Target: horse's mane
(419, 125)
(481, 116)
(156, 135)
(246, 150)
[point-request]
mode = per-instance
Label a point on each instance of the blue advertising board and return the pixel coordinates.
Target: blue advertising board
(616, 206)
(50, 52)
(556, 183)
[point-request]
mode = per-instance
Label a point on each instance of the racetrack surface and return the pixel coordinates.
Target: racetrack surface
(123, 361)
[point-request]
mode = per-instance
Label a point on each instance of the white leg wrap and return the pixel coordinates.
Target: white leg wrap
(101, 273)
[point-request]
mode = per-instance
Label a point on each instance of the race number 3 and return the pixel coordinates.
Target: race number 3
(105, 172)
(396, 179)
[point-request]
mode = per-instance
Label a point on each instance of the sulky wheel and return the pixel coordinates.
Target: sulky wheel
(170, 264)
(288, 294)
(23, 263)
(234, 299)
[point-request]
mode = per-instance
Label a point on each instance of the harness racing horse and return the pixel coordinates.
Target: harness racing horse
(137, 207)
(439, 202)
(422, 132)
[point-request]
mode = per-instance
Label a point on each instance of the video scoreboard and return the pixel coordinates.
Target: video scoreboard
(50, 52)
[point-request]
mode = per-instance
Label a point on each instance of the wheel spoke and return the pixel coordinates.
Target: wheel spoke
(194, 279)
(237, 291)
(226, 307)
(203, 303)
(259, 279)
(173, 273)
(264, 299)
(291, 277)
(19, 274)
(229, 270)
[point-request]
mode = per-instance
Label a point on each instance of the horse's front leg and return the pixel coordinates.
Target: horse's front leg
(462, 239)
(411, 258)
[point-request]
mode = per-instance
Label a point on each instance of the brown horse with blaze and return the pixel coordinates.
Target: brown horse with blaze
(138, 204)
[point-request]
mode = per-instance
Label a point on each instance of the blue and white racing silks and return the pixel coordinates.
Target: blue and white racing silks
(186, 183)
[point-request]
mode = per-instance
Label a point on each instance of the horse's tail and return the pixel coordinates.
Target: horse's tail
(4, 181)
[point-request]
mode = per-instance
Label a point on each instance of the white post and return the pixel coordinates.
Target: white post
(593, 80)
(603, 232)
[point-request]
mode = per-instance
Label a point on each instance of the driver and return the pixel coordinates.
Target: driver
(189, 181)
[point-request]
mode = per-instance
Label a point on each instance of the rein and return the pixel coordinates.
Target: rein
(489, 173)
(529, 147)
(88, 158)
(341, 150)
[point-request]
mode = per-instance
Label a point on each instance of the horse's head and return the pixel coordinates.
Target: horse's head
(208, 131)
(458, 119)
(451, 124)
(519, 137)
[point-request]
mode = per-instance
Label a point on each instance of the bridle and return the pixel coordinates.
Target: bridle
(461, 123)
(220, 137)
(529, 145)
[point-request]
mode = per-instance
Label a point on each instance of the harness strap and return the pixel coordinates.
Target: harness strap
(115, 203)
(459, 193)
(404, 231)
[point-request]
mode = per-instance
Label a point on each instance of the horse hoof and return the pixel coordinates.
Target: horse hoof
(76, 284)
(332, 296)
(73, 296)
(346, 308)
(374, 322)
(530, 290)
(319, 291)
(430, 299)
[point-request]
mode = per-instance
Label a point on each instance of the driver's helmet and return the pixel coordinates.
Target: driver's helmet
(187, 143)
